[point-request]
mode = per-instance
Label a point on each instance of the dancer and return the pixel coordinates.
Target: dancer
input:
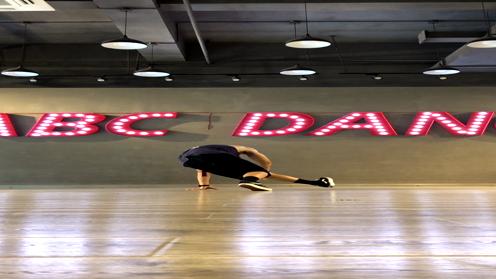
(224, 160)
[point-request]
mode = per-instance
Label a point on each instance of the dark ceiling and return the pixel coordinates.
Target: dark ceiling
(246, 38)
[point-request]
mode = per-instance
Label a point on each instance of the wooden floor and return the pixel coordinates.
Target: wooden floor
(234, 233)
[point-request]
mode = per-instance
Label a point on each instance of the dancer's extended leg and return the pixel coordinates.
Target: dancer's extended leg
(321, 182)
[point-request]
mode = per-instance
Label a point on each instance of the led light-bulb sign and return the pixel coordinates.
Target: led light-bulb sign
(84, 124)
(122, 125)
(6, 127)
(375, 122)
(476, 125)
(253, 124)
(66, 125)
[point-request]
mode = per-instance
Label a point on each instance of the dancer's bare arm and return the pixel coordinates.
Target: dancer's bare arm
(254, 154)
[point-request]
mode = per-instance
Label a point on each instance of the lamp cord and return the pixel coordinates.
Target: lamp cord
(306, 16)
(125, 23)
(341, 60)
(438, 55)
(128, 61)
(23, 56)
(137, 60)
(152, 54)
(294, 24)
(486, 15)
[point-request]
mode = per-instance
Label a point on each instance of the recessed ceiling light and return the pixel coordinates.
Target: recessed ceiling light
(377, 77)
(443, 77)
(33, 80)
(303, 78)
(169, 78)
(124, 43)
(235, 78)
(150, 72)
(101, 79)
(297, 70)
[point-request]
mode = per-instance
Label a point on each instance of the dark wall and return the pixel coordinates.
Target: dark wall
(350, 157)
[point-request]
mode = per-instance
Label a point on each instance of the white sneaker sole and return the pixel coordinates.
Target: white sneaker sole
(331, 182)
(254, 187)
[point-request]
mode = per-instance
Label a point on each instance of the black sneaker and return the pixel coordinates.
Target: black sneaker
(326, 182)
(254, 186)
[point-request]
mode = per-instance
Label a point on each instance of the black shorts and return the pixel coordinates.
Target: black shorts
(222, 164)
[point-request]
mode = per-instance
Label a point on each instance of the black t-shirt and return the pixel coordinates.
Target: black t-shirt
(209, 149)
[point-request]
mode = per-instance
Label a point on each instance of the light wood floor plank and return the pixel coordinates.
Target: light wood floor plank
(293, 232)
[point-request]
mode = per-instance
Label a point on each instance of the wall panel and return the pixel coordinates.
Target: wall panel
(350, 157)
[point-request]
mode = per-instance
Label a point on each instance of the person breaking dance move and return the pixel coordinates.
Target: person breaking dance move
(224, 160)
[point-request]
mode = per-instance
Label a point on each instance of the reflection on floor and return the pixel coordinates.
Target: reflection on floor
(300, 232)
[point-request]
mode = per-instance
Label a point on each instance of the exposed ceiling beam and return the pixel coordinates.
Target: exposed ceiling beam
(146, 23)
(192, 19)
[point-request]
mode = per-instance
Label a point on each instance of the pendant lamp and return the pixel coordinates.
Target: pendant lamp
(151, 70)
(124, 43)
(307, 41)
(21, 71)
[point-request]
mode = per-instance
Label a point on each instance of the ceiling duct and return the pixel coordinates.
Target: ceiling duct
(448, 36)
(24, 6)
